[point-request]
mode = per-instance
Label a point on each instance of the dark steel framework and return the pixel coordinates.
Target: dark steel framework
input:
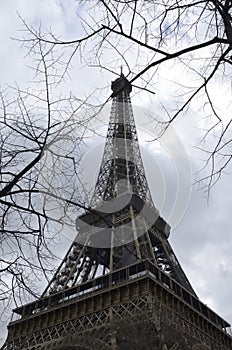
(121, 263)
(99, 247)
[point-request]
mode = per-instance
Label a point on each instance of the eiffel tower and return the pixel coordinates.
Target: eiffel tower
(120, 285)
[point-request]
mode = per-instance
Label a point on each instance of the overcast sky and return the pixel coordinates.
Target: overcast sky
(201, 237)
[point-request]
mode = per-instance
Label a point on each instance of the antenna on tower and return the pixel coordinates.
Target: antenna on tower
(121, 72)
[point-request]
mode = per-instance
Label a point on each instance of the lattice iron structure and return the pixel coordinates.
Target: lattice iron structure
(124, 226)
(122, 168)
(121, 272)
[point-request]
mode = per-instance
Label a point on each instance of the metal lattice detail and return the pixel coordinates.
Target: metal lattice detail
(83, 263)
(122, 168)
(49, 337)
(100, 325)
(115, 238)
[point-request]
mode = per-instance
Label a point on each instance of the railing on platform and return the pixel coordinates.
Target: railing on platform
(119, 277)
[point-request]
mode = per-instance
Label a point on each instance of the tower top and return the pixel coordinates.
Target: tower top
(121, 84)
